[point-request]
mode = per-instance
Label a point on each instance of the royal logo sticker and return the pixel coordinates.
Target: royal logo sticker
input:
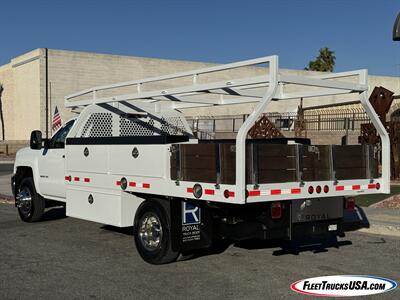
(191, 220)
(343, 285)
(190, 214)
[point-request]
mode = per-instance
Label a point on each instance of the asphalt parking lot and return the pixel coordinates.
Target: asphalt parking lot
(63, 257)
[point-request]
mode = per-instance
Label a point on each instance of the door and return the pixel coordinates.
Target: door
(51, 165)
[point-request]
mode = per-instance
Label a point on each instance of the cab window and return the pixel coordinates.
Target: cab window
(58, 140)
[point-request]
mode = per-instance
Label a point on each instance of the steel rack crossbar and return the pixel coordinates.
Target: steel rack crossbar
(258, 89)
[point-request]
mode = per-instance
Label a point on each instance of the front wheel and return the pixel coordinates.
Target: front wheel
(152, 234)
(29, 203)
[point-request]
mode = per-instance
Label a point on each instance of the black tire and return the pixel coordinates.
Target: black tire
(162, 253)
(35, 211)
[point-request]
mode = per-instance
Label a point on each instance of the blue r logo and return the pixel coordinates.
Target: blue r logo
(190, 213)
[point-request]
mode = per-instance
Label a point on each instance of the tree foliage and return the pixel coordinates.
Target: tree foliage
(324, 62)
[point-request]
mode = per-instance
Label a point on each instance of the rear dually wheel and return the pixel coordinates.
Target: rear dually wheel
(153, 234)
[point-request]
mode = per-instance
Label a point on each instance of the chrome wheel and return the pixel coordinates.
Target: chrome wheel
(150, 231)
(24, 200)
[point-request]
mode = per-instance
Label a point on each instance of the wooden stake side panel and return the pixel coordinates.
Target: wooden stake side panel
(273, 163)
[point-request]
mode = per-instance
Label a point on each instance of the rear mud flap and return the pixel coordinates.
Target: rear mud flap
(191, 226)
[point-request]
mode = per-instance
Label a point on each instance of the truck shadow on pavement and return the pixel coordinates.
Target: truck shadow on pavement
(315, 245)
(122, 230)
(54, 213)
(282, 248)
(354, 220)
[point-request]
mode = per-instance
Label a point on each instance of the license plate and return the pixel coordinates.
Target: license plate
(332, 227)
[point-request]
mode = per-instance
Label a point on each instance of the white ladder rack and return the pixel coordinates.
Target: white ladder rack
(259, 89)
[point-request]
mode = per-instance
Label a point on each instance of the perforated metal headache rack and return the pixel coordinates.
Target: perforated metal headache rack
(261, 90)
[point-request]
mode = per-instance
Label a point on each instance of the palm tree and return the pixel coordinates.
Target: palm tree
(1, 112)
(325, 61)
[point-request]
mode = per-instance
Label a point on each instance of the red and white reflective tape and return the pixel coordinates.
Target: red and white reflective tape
(206, 191)
(209, 192)
(139, 184)
(273, 192)
(212, 192)
(135, 184)
(77, 179)
(230, 194)
(294, 191)
(356, 187)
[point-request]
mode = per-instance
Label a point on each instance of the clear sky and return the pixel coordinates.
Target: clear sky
(360, 32)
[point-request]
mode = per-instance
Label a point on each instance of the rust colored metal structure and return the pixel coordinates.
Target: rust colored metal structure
(394, 133)
(300, 123)
(264, 129)
(381, 100)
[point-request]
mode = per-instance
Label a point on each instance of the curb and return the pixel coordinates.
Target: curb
(379, 221)
(6, 199)
(6, 202)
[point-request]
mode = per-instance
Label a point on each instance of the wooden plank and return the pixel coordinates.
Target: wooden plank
(314, 174)
(273, 162)
(353, 173)
(201, 162)
(277, 176)
(349, 162)
(271, 150)
(199, 175)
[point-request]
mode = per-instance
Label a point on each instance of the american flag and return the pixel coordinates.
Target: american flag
(56, 120)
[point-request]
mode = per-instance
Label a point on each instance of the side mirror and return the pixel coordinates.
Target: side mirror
(396, 29)
(36, 140)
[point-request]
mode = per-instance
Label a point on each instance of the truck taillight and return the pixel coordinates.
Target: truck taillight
(326, 189)
(276, 210)
(318, 189)
(350, 203)
(228, 194)
(310, 189)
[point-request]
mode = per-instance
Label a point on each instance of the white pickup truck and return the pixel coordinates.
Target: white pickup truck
(40, 175)
(132, 160)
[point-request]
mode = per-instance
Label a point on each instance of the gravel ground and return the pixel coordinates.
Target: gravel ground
(6, 200)
(391, 202)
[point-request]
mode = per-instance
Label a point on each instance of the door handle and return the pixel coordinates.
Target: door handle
(63, 156)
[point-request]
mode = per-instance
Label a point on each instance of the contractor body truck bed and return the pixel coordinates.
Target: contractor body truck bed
(132, 159)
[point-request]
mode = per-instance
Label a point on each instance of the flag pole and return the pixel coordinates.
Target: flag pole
(51, 109)
(47, 90)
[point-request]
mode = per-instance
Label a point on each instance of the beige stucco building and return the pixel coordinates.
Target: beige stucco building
(24, 82)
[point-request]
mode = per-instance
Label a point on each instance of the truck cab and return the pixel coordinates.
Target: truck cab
(42, 169)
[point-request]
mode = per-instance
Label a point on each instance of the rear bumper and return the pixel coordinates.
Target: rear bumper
(314, 219)
(294, 231)
(316, 229)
